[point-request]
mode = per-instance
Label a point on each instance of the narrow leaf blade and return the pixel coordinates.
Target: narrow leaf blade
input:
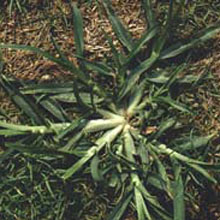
(78, 30)
(147, 5)
(178, 201)
(23, 102)
(120, 208)
(179, 48)
(122, 33)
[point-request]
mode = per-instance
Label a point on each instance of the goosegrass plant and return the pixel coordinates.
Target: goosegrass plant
(126, 129)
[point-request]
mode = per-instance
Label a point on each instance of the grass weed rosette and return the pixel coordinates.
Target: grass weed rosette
(127, 116)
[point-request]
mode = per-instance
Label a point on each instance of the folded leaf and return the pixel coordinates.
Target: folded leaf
(95, 171)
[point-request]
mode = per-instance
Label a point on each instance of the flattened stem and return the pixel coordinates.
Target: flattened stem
(103, 124)
(35, 129)
(129, 144)
(107, 138)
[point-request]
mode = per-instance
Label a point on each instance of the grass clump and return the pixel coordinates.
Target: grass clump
(126, 123)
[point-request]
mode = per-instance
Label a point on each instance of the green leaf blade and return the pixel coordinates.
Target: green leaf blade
(149, 14)
(78, 30)
(95, 171)
(178, 201)
(66, 64)
(142, 211)
(121, 207)
(179, 48)
(135, 75)
(23, 102)
(122, 33)
(141, 42)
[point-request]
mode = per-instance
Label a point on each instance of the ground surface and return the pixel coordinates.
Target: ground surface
(28, 196)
